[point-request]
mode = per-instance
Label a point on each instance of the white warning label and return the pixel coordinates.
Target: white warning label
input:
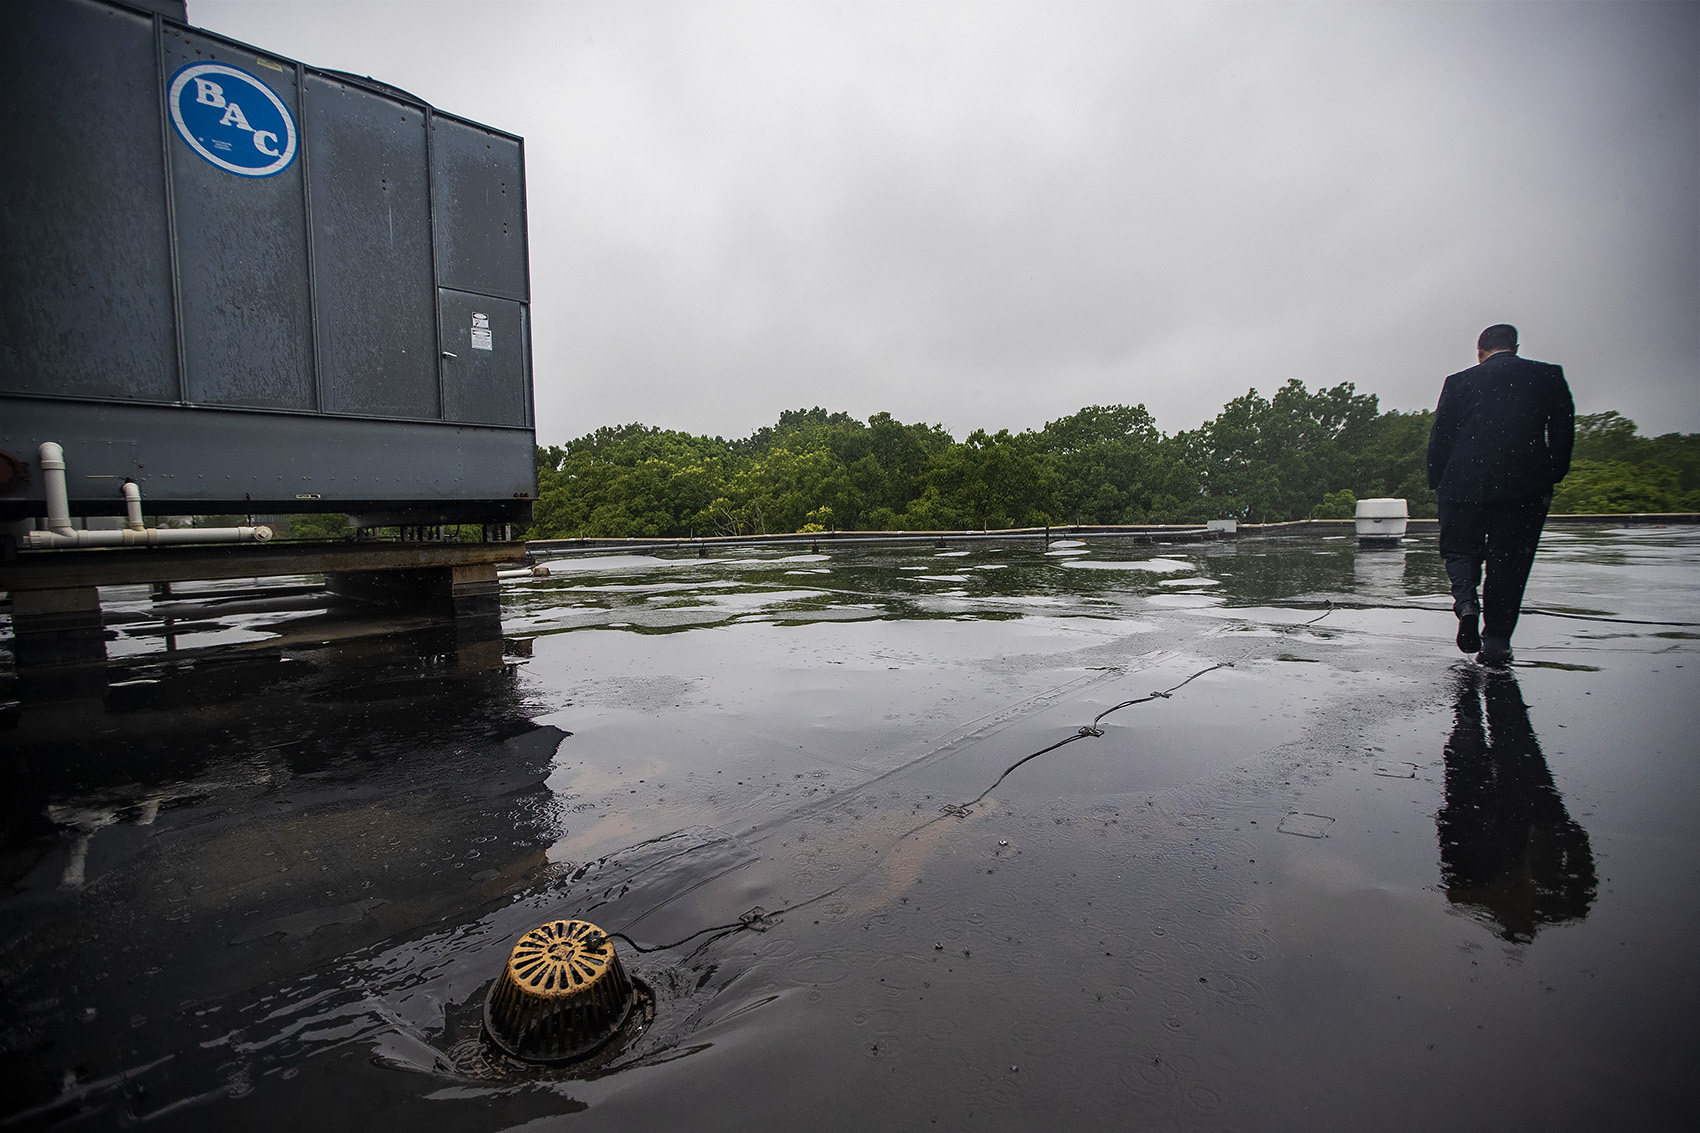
(481, 331)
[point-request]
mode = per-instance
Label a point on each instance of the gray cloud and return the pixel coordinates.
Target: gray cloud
(988, 215)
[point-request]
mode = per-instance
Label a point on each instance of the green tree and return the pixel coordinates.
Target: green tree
(1618, 486)
(1392, 460)
(331, 525)
(1336, 505)
(1610, 437)
(1270, 460)
(990, 481)
(1113, 466)
(630, 480)
(780, 490)
(1615, 469)
(1297, 454)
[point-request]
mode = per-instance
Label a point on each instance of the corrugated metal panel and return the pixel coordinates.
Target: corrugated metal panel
(85, 262)
(242, 251)
(478, 190)
(371, 252)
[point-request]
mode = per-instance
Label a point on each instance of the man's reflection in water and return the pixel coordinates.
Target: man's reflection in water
(1508, 849)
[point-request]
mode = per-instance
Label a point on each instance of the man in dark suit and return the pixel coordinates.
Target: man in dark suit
(1502, 437)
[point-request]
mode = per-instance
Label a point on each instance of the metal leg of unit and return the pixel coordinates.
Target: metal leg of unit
(447, 593)
(464, 601)
(59, 639)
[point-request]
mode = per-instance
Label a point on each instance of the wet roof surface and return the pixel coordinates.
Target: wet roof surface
(1322, 873)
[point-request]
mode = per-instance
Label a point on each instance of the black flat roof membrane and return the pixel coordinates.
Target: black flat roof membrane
(1095, 836)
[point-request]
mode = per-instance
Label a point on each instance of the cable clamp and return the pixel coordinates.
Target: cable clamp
(1164, 695)
(757, 919)
(957, 809)
(1090, 730)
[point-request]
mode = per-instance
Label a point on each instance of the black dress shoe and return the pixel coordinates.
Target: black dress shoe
(1468, 639)
(1496, 652)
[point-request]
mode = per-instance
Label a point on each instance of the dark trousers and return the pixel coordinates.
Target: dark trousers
(1501, 537)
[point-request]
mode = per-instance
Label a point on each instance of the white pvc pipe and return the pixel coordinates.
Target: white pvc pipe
(53, 487)
(60, 533)
(524, 572)
(152, 536)
(133, 505)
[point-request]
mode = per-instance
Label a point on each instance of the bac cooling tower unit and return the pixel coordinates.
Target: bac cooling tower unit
(251, 285)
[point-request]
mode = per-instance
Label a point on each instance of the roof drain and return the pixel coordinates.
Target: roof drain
(564, 996)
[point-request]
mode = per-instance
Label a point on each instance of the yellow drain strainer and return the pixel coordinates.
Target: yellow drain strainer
(562, 994)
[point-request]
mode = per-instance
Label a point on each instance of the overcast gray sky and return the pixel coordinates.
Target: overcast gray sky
(987, 215)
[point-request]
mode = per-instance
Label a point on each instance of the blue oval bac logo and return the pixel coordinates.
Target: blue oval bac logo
(232, 119)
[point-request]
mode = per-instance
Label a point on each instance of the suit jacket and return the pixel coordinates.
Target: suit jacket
(1503, 431)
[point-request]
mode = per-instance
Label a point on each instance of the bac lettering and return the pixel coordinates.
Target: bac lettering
(233, 116)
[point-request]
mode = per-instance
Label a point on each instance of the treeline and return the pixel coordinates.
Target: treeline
(1296, 455)
(1615, 469)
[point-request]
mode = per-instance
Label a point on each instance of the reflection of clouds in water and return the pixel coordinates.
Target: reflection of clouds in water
(1149, 566)
(1186, 599)
(619, 589)
(636, 691)
(752, 600)
(130, 640)
(1286, 617)
(1379, 571)
(678, 607)
(603, 563)
(137, 625)
(1508, 848)
(1190, 582)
